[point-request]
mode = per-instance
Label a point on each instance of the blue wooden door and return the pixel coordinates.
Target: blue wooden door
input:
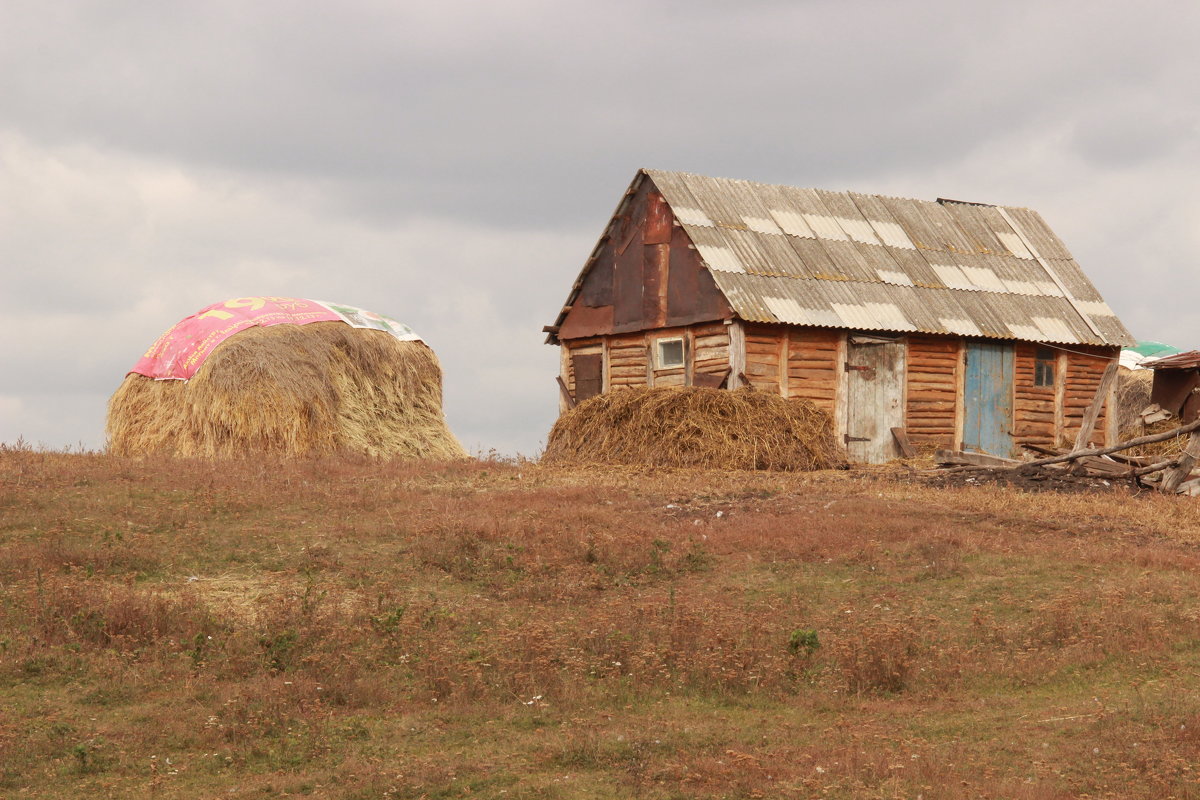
(987, 423)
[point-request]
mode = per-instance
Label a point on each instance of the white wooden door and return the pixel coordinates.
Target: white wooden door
(874, 398)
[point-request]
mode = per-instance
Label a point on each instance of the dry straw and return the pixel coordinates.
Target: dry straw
(1133, 395)
(296, 390)
(696, 427)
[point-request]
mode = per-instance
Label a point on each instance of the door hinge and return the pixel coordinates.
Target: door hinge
(847, 438)
(868, 372)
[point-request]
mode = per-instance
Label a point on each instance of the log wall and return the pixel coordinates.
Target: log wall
(1034, 417)
(628, 361)
(932, 366)
(1083, 373)
(766, 348)
(710, 349)
(806, 363)
(813, 356)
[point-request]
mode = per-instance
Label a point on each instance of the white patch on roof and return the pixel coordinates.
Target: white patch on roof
(873, 316)
(692, 216)
(785, 309)
(1054, 329)
(859, 230)
(892, 234)
(721, 258)
(893, 277)
(952, 276)
(984, 278)
(1026, 332)
(1014, 244)
(963, 327)
(792, 223)
(1048, 288)
(1020, 287)
(762, 225)
(1094, 308)
(826, 227)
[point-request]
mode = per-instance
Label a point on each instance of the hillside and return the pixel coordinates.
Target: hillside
(364, 630)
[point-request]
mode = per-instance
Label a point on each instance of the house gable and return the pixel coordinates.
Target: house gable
(645, 273)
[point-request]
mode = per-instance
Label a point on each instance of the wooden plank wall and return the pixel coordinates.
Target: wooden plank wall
(628, 361)
(1084, 371)
(812, 365)
(710, 349)
(932, 366)
(764, 347)
(1033, 407)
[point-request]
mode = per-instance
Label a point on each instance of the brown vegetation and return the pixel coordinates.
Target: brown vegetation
(305, 390)
(695, 427)
(358, 629)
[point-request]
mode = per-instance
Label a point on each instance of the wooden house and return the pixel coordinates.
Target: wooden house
(962, 325)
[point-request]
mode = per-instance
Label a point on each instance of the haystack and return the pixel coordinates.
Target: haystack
(296, 390)
(696, 427)
(1133, 395)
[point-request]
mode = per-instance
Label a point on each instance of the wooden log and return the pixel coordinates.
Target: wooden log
(906, 448)
(1152, 468)
(566, 394)
(960, 458)
(1174, 477)
(1096, 464)
(1103, 451)
(1093, 410)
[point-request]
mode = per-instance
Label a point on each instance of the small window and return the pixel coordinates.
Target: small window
(670, 353)
(1043, 367)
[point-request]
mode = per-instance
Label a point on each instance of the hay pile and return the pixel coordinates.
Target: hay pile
(1133, 395)
(298, 390)
(696, 427)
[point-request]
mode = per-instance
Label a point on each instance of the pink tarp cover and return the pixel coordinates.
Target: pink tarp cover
(181, 351)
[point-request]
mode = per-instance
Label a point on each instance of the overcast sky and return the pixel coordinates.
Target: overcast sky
(452, 164)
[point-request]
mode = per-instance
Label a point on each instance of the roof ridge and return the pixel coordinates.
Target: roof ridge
(651, 171)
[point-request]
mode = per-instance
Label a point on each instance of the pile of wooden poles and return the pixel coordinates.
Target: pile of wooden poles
(1172, 475)
(1169, 475)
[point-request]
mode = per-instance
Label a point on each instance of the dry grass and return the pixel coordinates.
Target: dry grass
(303, 390)
(696, 428)
(333, 628)
(1133, 395)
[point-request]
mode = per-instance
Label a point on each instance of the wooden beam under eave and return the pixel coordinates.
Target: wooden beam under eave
(737, 353)
(960, 395)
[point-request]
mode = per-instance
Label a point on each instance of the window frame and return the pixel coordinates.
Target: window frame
(1044, 367)
(658, 352)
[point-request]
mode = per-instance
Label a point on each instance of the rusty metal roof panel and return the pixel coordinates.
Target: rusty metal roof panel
(1188, 360)
(945, 267)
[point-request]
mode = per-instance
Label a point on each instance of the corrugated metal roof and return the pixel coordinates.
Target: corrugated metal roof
(1188, 360)
(843, 259)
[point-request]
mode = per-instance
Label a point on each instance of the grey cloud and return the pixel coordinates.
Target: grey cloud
(452, 164)
(486, 114)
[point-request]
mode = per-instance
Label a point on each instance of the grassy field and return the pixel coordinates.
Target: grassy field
(363, 630)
